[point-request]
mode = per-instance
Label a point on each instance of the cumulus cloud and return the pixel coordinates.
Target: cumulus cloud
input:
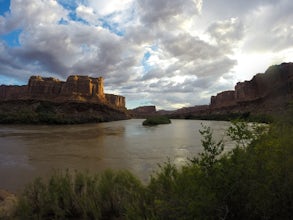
(275, 23)
(160, 14)
(163, 52)
(227, 34)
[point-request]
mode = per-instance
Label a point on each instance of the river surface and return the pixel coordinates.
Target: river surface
(29, 151)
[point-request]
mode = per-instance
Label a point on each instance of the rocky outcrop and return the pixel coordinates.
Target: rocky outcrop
(12, 92)
(80, 99)
(187, 112)
(39, 87)
(267, 92)
(84, 86)
(116, 100)
(76, 88)
(276, 81)
(223, 99)
(143, 111)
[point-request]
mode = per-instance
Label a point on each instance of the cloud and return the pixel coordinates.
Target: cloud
(163, 13)
(86, 13)
(189, 48)
(36, 13)
(217, 10)
(169, 53)
(227, 34)
(66, 49)
(276, 27)
(110, 6)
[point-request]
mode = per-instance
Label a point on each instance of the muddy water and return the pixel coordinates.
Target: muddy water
(29, 151)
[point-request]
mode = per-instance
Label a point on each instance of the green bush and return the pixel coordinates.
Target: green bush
(156, 120)
(252, 182)
(81, 196)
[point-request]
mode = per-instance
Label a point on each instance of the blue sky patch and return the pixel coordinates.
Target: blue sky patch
(146, 66)
(68, 4)
(12, 38)
(111, 26)
(5, 80)
(71, 7)
(63, 21)
(5, 4)
(73, 16)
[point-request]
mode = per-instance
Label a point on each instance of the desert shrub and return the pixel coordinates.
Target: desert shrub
(253, 181)
(113, 194)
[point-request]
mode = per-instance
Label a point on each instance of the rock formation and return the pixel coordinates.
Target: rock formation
(116, 100)
(76, 88)
(223, 99)
(80, 99)
(12, 92)
(143, 111)
(267, 92)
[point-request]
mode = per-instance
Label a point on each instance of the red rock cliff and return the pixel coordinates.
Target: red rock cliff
(268, 90)
(144, 111)
(84, 86)
(76, 88)
(223, 99)
(116, 100)
(39, 87)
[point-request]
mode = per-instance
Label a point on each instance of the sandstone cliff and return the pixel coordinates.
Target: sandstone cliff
(143, 111)
(76, 88)
(12, 92)
(267, 93)
(80, 99)
(223, 99)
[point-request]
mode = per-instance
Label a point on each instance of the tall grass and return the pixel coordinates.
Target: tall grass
(81, 196)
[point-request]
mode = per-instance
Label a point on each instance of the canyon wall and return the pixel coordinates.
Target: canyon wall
(116, 100)
(267, 93)
(264, 93)
(143, 111)
(12, 92)
(223, 99)
(76, 88)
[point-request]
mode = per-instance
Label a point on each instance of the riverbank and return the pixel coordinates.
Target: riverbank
(213, 184)
(46, 112)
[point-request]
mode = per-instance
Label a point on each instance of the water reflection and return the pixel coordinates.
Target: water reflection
(30, 151)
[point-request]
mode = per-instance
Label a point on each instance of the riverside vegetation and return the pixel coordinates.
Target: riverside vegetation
(156, 120)
(253, 181)
(47, 112)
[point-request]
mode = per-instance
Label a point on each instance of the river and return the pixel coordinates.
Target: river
(29, 151)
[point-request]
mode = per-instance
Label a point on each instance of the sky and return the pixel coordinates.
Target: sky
(167, 53)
